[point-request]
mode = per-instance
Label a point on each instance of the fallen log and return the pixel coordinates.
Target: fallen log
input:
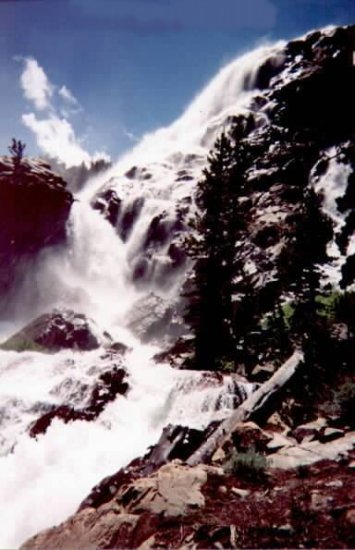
(257, 401)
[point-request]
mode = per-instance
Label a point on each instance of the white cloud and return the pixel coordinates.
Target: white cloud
(35, 85)
(67, 95)
(54, 132)
(56, 137)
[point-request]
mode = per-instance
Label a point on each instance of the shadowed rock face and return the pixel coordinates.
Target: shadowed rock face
(34, 209)
(108, 204)
(51, 332)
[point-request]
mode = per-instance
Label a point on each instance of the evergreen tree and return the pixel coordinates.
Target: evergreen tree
(210, 312)
(306, 253)
(16, 150)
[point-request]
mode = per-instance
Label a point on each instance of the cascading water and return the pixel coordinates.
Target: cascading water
(43, 481)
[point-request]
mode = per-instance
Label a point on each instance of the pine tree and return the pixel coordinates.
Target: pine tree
(309, 252)
(16, 150)
(210, 312)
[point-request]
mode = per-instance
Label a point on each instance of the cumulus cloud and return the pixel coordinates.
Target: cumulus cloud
(54, 131)
(35, 84)
(56, 137)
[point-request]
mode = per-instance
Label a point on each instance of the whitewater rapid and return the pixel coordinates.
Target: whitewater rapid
(43, 481)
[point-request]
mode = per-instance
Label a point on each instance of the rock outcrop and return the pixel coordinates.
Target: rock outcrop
(34, 209)
(109, 385)
(61, 329)
(202, 507)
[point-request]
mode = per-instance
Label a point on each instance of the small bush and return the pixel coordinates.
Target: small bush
(16, 150)
(250, 465)
(344, 400)
(342, 404)
(227, 367)
(19, 344)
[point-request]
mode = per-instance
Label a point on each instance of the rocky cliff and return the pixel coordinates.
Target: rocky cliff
(34, 209)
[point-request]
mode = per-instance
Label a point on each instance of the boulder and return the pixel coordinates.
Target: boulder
(34, 210)
(109, 385)
(311, 430)
(249, 435)
(174, 490)
(311, 452)
(61, 329)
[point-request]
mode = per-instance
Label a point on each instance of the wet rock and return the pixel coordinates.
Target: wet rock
(119, 348)
(177, 254)
(109, 385)
(141, 269)
(34, 210)
(269, 69)
(61, 329)
(178, 354)
(108, 204)
(129, 217)
(155, 319)
(132, 173)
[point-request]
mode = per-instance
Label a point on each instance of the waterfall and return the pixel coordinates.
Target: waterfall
(43, 481)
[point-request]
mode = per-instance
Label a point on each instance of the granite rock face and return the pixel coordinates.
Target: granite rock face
(34, 210)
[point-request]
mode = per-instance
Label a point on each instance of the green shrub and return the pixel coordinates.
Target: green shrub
(344, 400)
(342, 404)
(20, 343)
(249, 465)
(227, 366)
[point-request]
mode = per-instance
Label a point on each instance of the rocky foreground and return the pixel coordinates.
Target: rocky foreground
(235, 485)
(221, 505)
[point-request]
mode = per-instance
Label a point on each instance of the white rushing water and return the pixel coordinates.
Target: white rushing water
(43, 480)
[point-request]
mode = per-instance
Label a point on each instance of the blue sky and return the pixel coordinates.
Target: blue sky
(111, 70)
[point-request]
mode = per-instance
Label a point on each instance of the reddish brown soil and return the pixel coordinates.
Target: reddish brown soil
(289, 509)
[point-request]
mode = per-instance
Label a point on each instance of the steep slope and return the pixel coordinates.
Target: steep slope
(295, 117)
